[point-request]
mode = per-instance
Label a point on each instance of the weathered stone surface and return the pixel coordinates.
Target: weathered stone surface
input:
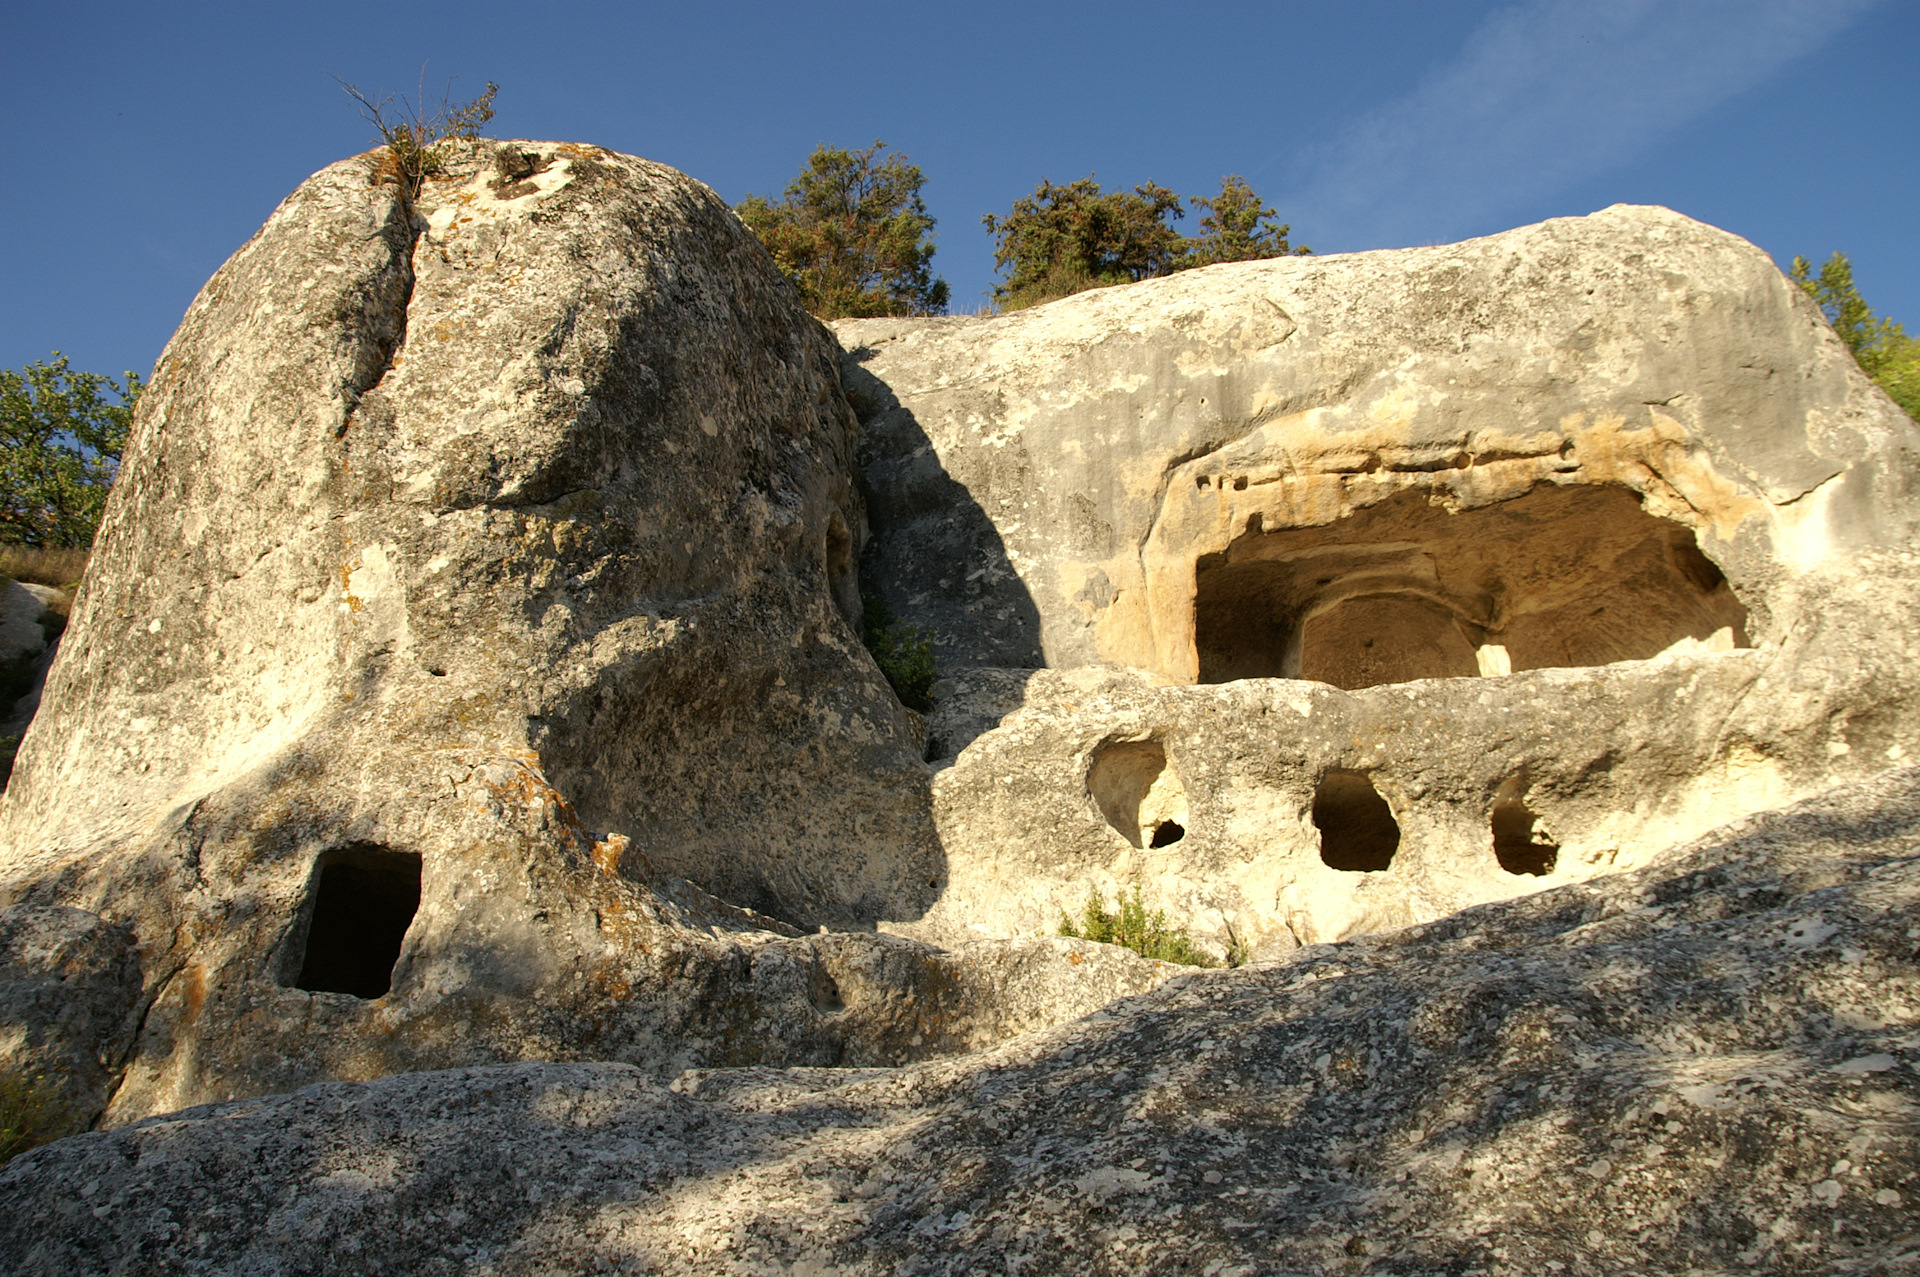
(1708, 1066)
(478, 559)
(23, 618)
(69, 1004)
(1421, 521)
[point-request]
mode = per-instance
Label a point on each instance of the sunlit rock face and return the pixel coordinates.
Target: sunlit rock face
(1525, 558)
(1708, 1066)
(475, 609)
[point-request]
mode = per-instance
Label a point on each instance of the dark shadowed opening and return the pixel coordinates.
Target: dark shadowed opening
(1357, 830)
(1167, 833)
(1519, 849)
(364, 898)
(1406, 589)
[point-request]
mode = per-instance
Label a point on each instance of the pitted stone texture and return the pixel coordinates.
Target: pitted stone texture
(1617, 763)
(70, 1000)
(1598, 510)
(511, 527)
(1708, 1067)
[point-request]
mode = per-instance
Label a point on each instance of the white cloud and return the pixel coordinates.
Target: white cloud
(1543, 95)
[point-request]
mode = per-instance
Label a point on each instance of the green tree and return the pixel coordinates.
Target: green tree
(1238, 227)
(1883, 348)
(1066, 239)
(60, 442)
(853, 235)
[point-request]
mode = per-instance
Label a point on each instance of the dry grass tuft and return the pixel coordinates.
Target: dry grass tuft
(31, 1114)
(59, 567)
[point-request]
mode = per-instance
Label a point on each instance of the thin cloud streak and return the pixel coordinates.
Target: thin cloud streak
(1542, 96)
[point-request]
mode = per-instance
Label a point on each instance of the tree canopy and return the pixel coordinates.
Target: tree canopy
(1063, 239)
(1883, 348)
(853, 235)
(60, 443)
(1238, 227)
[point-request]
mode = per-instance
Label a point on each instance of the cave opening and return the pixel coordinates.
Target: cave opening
(1358, 833)
(1407, 589)
(1518, 845)
(1137, 791)
(364, 899)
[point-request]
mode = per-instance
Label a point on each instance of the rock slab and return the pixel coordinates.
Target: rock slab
(1710, 1067)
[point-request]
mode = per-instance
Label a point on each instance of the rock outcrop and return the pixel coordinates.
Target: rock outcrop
(1375, 586)
(1709, 1067)
(468, 667)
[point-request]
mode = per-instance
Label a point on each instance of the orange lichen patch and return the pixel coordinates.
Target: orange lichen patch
(579, 151)
(193, 990)
(609, 851)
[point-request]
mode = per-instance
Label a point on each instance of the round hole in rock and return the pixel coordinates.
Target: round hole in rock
(364, 898)
(1357, 830)
(1518, 847)
(1138, 793)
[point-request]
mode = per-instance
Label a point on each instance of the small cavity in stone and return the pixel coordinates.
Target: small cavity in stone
(1357, 830)
(1138, 793)
(1517, 844)
(364, 898)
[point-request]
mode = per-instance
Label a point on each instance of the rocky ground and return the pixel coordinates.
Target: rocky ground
(1704, 1067)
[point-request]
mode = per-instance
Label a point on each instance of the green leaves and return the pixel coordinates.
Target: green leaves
(853, 235)
(1238, 227)
(1129, 925)
(60, 444)
(1883, 348)
(1065, 239)
(903, 652)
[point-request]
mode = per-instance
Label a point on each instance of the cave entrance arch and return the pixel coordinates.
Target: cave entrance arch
(1406, 589)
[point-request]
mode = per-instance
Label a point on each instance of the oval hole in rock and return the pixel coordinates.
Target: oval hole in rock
(1518, 847)
(824, 991)
(1138, 793)
(364, 898)
(1357, 830)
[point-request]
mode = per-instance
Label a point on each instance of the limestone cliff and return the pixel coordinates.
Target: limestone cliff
(1374, 586)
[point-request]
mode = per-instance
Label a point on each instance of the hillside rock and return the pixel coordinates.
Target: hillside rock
(468, 666)
(1708, 1067)
(1524, 558)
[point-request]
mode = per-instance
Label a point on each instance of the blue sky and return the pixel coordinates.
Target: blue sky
(145, 142)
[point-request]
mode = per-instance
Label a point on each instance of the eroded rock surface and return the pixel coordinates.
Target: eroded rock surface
(1707, 1067)
(483, 558)
(1591, 529)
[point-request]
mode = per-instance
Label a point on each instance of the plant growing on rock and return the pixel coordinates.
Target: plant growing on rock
(1882, 347)
(853, 235)
(1129, 925)
(418, 134)
(60, 442)
(31, 1114)
(1064, 239)
(903, 652)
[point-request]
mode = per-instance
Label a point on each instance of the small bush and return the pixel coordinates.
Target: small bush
(417, 133)
(903, 652)
(1131, 926)
(31, 1114)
